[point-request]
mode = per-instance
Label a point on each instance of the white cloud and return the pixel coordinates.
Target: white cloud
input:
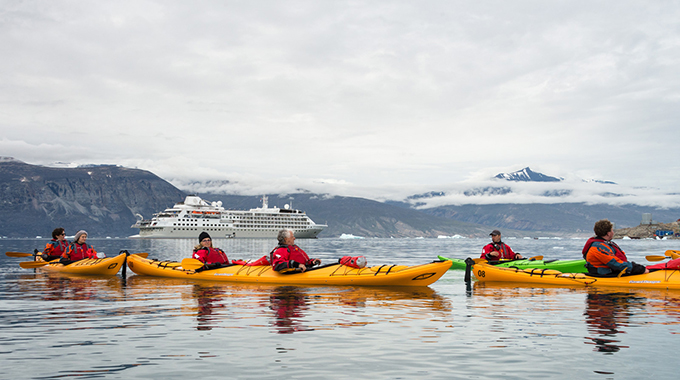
(373, 97)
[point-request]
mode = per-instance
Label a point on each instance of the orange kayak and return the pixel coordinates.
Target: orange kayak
(335, 274)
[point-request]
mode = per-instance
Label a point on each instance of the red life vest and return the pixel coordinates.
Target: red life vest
(210, 255)
(286, 254)
(618, 252)
(506, 252)
(79, 252)
(56, 247)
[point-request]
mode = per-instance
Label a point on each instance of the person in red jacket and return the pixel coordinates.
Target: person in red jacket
(78, 250)
(601, 253)
(206, 253)
(57, 246)
(497, 250)
(288, 257)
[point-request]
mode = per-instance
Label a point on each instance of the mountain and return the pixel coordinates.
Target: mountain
(520, 206)
(102, 200)
(105, 199)
(358, 216)
(577, 218)
(527, 175)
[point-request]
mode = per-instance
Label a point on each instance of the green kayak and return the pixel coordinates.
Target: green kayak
(564, 266)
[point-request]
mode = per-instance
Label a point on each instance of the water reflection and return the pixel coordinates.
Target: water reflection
(208, 298)
(50, 286)
(286, 309)
(288, 304)
(607, 314)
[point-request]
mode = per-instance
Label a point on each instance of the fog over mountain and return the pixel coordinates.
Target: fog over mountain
(524, 186)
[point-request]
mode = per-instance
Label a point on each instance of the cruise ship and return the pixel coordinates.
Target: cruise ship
(189, 218)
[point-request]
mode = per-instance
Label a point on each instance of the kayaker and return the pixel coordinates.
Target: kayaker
(497, 250)
(78, 250)
(617, 250)
(600, 253)
(57, 246)
(206, 253)
(288, 257)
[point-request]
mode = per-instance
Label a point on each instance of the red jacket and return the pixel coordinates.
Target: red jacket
(56, 247)
(506, 252)
(79, 251)
(288, 256)
(211, 255)
(618, 252)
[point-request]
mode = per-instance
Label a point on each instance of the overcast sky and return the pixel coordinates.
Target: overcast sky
(374, 98)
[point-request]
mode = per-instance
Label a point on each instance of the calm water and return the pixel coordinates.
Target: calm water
(140, 327)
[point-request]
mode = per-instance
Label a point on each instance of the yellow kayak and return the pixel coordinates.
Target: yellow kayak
(335, 274)
(107, 266)
(660, 279)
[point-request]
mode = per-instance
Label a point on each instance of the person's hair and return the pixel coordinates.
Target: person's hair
(57, 231)
(283, 235)
(602, 227)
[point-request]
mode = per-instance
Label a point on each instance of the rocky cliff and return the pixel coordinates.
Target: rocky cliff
(100, 199)
(646, 231)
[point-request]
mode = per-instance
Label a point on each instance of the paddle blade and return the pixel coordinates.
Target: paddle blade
(32, 264)
(536, 258)
(18, 254)
(673, 254)
(192, 264)
(655, 258)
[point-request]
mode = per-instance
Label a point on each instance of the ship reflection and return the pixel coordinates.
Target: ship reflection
(607, 314)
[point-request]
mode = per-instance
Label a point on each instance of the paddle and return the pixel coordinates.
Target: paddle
(38, 264)
(35, 264)
(655, 258)
(19, 254)
(192, 264)
(673, 254)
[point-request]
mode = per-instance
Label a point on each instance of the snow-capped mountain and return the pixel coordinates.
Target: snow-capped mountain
(527, 175)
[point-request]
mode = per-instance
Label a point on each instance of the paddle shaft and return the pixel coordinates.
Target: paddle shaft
(19, 254)
(35, 264)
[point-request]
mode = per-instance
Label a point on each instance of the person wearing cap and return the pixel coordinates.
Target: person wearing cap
(288, 257)
(56, 247)
(78, 250)
(206, 253)
(497, 250)
(604, 257)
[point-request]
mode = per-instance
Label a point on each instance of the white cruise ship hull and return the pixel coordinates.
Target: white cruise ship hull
(218, 233)
(189, 218)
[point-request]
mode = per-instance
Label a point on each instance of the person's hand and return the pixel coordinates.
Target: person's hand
(519, 257)
(316, 262)
(302, 268)
(646, 271)
(493, 253)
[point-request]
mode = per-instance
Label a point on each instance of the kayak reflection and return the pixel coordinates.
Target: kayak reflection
(607, 314)
(64, 286)
(286, 309)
